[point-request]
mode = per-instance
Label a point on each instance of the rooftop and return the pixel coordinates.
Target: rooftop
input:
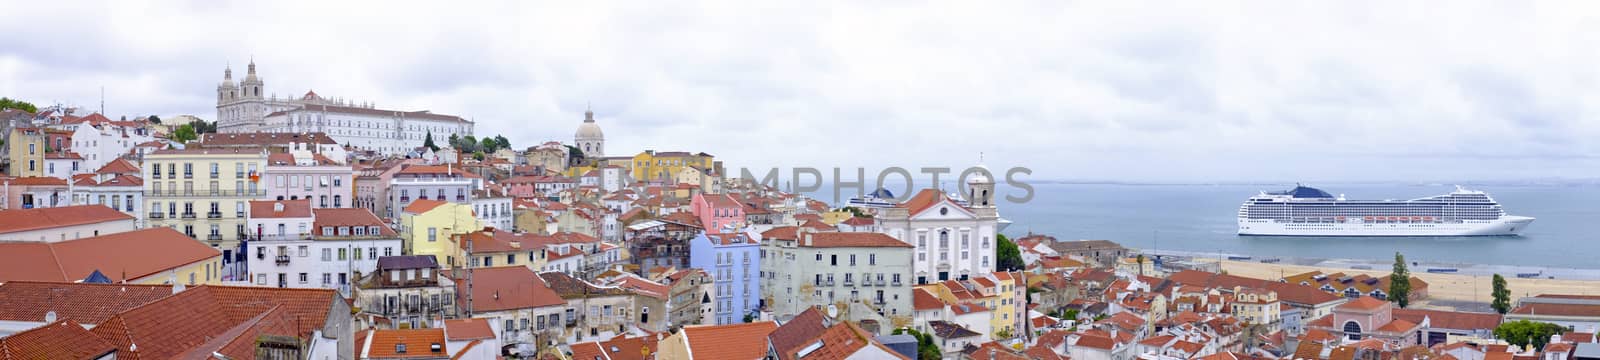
(19, 220)
(736, 341)
(85, 303)
(128, 255)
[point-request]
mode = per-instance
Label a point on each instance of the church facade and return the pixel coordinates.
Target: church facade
(243, 108)
(952, 240)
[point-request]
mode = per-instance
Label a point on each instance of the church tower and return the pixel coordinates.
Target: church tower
(980, 189)
(227, 91)
(251, 85)
(589, 139)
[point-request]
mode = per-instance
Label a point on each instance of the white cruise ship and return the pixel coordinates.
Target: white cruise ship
(1305, 211)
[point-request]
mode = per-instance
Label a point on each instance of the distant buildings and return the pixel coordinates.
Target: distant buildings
(245, 108)
(1576, 312)
(805, 269)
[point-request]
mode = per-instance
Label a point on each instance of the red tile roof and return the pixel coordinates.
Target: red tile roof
(225, 318)
(385, 344)
(1458, 320)
(509, 287)
(1529, 308)
(1095, 341)
(337, 217)
(64, 339)
(422, 205)
(841, 341)
(921, 299)
(468, 329)
(736, 341)
(128, 255)
(45, 218)
(122, 180)
(852, 239)
(118, 166)
(1364, 303)
(84, 303)
(618, 348)
(797, 333)
(267, 209)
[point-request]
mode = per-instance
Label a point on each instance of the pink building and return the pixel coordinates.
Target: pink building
(305, 175)
(717, 212)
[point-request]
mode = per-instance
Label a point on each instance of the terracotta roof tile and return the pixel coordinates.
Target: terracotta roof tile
(852, 239)
(1364, 303)
(119, 166)
(337, 217)
(468, 329)
(736, 341)
(126, 255)
(422, 205)
(267, 209)
(509, 287)
(921, 299)
(1458, 320)
(84, 303)
(177, 324)
(44, 218)
(64, 339)
(388, 344)
(797, 333)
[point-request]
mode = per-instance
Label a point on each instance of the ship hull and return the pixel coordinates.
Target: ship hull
(1504, 226)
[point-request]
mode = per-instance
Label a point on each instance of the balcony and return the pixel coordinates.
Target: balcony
(895, 283)
(188, 215)
(188, 175)
(214, 237)
(156, 215)
(828, 283)
(238, 214)
(216, 175)
(882, 283)
(214, 215)
(283, 260)
(848, 282)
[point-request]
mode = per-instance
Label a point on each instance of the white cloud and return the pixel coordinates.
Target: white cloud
(1081, 90)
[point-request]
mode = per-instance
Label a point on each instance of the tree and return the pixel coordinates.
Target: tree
(428, 142)
(455, 141)
(469, 143)
(8, 103)
(478, 156)
(501, 142)
(1400, 282)
(574, 153)
(489, 145)
(184, 133)
(1140, 260)
(1008, 257)
(154, 119)
(1526, 333)
(1502, 296)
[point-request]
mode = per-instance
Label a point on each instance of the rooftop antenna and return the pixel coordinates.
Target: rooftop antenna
(102, 99)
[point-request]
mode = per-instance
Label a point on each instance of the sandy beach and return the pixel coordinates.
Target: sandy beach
(1442, 288)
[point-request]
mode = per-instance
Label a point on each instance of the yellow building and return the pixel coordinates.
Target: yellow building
(1257, 306)
(26, 147)
(651, 165)
(204, 193)
(429, 227)
(835, 217)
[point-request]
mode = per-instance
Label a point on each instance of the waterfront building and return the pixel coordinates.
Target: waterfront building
(1576, 312)
(1257, 306)
(734, 261)
(203, 193)
(953, 240)
(1356, 285)
(246, 108)
(1368, 318)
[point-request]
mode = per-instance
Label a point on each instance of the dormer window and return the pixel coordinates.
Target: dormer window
(344, 231)
(373, 230)
(327, 231)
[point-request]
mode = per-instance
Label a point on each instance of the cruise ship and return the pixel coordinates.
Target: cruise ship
(1306, 211)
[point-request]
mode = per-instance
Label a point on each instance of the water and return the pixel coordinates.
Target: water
(1201, 218)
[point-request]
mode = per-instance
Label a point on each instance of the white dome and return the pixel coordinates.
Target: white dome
(979, 177)
(589, 130)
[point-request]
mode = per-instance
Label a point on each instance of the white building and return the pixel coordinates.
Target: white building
(493, 208)
(245, 108)
(101, 143)
(296, 246)
(803, 269)
(124, 193)
(953, 241)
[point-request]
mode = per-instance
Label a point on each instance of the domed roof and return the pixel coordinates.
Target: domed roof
(589, 129)
(227, 78)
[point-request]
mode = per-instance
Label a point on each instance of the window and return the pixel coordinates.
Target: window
(303, 278)
(341, 254)
(327, 278)
(944, 239)
(327, 254)
(305, 251)
(872, 259)
(433, 234)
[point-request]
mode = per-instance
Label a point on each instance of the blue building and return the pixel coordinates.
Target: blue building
(734, 261)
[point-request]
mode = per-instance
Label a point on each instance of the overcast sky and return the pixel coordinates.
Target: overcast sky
(1102, 90)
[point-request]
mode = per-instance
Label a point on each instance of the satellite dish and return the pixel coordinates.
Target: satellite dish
(833, 310)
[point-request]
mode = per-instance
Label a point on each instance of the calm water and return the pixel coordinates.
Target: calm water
(1202, 218)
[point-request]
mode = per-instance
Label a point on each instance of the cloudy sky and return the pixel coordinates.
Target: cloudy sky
(1104, 90)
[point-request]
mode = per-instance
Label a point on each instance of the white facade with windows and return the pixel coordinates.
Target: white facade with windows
(797, 275)
(952, 240)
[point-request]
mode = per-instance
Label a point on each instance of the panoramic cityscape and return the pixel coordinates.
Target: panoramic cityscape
(723, 180)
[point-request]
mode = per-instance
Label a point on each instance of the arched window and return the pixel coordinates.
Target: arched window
(1353, 330)
(944, 239)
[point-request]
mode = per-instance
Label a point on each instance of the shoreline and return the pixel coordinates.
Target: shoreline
(1510, 272)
